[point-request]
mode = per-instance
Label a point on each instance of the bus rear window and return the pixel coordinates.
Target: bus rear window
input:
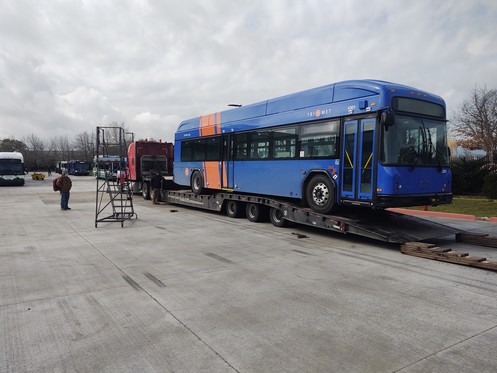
(412, 105)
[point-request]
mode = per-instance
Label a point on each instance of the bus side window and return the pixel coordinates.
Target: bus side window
(213, 148)
(241, 146)
(319, 139)
(259, 145)
(284, 143)
(186, 151)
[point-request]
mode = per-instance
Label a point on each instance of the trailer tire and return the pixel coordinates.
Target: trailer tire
(255, 212)
(234, 209)
(320, 194)
(276, 217)
(197, 182)
(145, 190)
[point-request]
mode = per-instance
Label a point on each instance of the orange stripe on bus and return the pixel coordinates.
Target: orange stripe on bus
(212, 176)
(225, 176)
(218, 122)
(207, 125)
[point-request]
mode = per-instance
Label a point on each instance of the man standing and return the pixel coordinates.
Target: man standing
(156, 185)
(65, 184)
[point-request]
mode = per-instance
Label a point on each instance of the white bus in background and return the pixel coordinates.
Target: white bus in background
(60, 165)
(106, 166)
(11, 168)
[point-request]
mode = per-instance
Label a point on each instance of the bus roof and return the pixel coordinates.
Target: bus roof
(112, 158)
(328, 94)
(11, 155)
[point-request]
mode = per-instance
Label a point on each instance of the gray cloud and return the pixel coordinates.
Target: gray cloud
(68, 66)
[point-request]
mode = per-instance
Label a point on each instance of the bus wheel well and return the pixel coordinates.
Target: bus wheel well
(307, 179)
(197, 182)
(324, 177)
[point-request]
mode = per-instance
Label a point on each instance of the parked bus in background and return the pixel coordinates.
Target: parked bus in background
(362, 142)
(59, 166)
(79, 168)
(12, 168)
(106, 166)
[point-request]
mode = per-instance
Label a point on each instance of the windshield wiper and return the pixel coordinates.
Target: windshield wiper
(427, 144)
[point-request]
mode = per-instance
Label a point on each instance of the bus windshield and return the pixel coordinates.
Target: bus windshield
(11, 167)
(413, 141)
(82, 167)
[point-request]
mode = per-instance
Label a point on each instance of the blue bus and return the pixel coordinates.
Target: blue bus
(360, 142)
(79, 168)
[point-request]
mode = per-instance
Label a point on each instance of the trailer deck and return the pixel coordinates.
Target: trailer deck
(382, 225)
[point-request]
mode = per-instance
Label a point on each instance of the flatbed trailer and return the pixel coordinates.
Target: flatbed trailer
(382, 225)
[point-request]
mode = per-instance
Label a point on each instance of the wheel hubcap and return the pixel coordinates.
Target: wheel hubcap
(252, 211)
(320, 194)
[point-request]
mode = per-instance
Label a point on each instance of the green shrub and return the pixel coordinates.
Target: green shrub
(468, 175)
(490, 185)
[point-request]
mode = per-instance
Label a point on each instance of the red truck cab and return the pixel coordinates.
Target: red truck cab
(146, 157)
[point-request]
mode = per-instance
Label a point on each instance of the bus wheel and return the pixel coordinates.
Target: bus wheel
(233, 209)
(321, 194)
(276, 217)
(255, 212)
(197, 183)
(145, 191)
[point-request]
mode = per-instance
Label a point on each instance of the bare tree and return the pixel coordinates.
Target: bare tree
(85, 143)
(476, 122)
(36, 156)
(53, 151)
(63, 147)
(110, 139)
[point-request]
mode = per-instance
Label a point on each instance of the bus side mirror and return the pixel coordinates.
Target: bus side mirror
(387, 118)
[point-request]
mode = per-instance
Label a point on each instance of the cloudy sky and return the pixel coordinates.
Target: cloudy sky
(67, 66)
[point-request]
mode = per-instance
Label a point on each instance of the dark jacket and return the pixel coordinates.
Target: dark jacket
(155, 181)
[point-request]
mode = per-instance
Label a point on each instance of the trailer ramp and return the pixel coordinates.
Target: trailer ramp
(382, 225)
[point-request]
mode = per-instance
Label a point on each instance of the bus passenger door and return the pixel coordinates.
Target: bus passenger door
(358, 160)
(349, 144)
(227, 163)
(366, 160)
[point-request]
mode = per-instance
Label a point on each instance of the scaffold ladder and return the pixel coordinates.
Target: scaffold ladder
(114, 199)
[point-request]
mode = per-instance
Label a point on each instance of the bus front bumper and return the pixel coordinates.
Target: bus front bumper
(384, 201)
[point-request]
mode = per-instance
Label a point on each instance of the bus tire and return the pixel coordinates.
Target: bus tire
(320, 194)
(145, 190)
(234, 209)
(197, 182)
(255, 212)
(276, 217)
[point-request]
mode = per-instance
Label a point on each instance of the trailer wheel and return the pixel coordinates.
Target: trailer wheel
(234, 209)
(320, 194)
(145, 191)
(197, 182)
(255, 212)
(276, 217)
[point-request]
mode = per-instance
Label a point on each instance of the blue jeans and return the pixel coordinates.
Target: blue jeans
(64, 200)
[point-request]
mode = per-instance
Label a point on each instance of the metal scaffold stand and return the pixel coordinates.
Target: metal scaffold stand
(114, 198)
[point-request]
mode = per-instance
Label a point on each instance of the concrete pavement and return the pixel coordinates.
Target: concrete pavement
(194, 291)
